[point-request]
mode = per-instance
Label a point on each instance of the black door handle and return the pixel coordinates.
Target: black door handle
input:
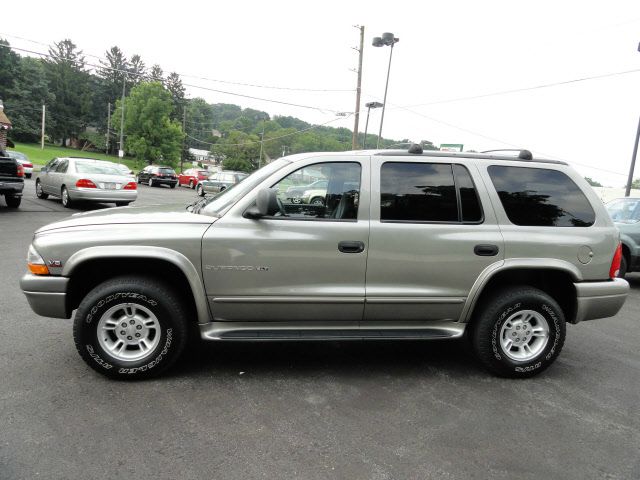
(486, 250)
(351, 247)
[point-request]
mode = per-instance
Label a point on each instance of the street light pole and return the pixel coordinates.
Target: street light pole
(633, 157)
(369, 106)
(121, 149)
(387, 39)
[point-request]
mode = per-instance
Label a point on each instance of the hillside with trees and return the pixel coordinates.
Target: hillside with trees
(81, 96)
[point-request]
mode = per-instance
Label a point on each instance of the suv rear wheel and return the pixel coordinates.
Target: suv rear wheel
(12, 202)
(519, 332)
(130, 327)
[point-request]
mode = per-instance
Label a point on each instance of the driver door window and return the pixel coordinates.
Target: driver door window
(322, 191)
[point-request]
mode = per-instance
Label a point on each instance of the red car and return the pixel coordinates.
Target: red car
(192, 176)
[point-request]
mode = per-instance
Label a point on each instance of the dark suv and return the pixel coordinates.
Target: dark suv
(155, 175)
(11, 181)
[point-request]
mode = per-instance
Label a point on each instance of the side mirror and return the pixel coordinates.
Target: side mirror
(266, 205)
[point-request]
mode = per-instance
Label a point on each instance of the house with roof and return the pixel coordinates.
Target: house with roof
(5, 125)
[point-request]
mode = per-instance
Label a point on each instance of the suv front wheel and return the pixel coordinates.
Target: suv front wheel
(130, 327)
(519, 332)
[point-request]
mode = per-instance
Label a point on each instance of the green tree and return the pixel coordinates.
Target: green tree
(239, 145)
(237, 164)
(70, 85)
(176, 89)
(24, 101)
(151, 135)
(9, 64)
(137, 70)
(156, 74)
(636, 183)
(593, 183)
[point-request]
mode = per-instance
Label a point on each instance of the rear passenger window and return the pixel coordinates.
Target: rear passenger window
(427, 192)
(541, 197)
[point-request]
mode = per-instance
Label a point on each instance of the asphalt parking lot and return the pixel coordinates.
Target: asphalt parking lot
(385, 410)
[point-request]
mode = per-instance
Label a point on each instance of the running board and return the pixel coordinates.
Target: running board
(265, 331)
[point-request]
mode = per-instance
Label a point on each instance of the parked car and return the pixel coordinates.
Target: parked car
(154, 175)
(295, 192)
(11, 181)
(23, 160)
(625, 213)
(220, 181)
(190, 178)
(84, 179)
(501, 249)
(317, 196)
(124, 169)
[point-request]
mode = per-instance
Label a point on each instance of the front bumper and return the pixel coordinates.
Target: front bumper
(101, 195)
(600, 299)
(47, 295)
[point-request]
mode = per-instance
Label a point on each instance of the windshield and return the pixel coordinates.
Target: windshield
(166, 170)
(624, 211)
(99, 168)
(217, 205)
(18, 155)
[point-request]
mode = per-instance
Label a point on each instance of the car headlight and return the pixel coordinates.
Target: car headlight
(36, 263)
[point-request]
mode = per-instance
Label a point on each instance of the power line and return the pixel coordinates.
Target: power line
(291, 104)
(228, 82)
(525, 89)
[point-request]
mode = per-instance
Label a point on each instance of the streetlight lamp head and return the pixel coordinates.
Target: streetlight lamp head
(377, 42)
(388, 38)
(373, 105)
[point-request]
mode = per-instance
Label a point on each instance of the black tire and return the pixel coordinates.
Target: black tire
(65, 198)
(200, 190)
(39, 192)
(504, 306)
(12, 202)
(139, 181)
(191, 185)
(624, 266)
(173, 185)
(147, 293)
(151, 182)
(317, 201)
(122, 204)
(28, 175)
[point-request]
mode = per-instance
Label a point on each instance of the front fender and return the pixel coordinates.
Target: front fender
(158, 253)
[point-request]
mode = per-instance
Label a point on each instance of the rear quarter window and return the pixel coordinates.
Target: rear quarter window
(541, 197)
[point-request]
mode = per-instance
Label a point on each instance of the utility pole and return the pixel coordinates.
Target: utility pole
(44, 115)
(261, 142)
(354, 141)
(633, 162)
(121, 149)
(184, 138)
(108, 127)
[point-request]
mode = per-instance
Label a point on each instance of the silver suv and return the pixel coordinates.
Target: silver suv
(502, 250)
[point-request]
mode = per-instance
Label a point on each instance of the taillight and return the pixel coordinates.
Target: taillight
(20, 170)
(27, 165)
(85, 183)
(130, 186)
(615, 263)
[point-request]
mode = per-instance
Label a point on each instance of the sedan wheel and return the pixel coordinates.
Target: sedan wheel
(151, 182)
(200, 190)
(66, 200)
(191, 184)
(39, 192)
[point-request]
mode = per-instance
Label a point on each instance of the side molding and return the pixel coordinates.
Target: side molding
(158, 253)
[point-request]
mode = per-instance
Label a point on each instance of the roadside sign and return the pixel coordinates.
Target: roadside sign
(121, 153)
(451, 147)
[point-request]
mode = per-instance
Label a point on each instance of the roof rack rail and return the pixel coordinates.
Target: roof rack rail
(522, 154)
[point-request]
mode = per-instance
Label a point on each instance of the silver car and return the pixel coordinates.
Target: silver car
(87, 180)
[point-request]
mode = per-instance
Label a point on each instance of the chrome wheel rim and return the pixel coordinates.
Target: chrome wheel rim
(38, 189)
(200, 191)
(65, 196)
(524, 335)
(128, 332)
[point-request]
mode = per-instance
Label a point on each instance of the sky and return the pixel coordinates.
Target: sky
(448, 51)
